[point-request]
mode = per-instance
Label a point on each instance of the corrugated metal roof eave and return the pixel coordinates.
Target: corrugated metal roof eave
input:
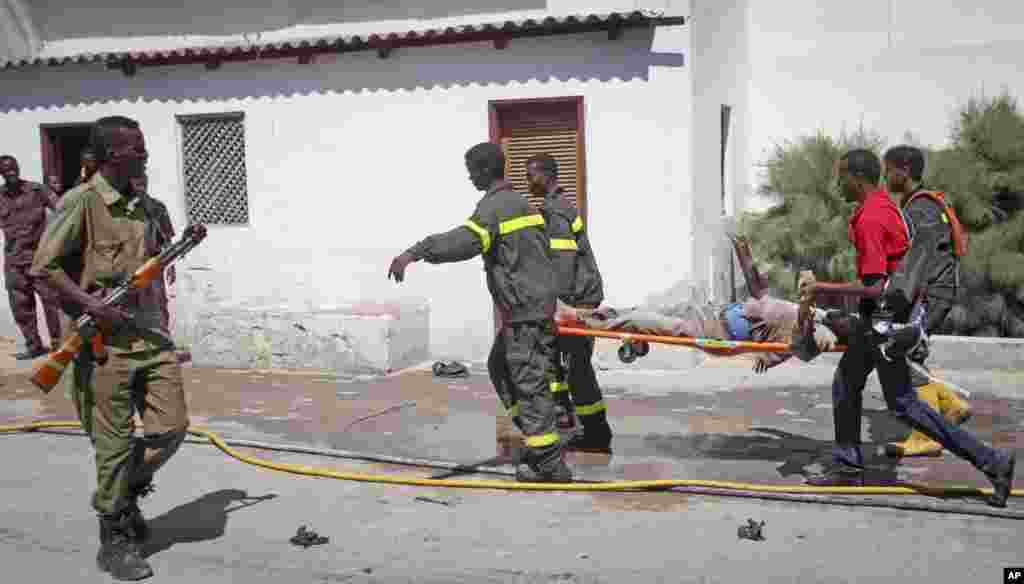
(383, 42)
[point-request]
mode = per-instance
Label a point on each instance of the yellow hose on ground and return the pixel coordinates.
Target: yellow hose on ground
(517, 486)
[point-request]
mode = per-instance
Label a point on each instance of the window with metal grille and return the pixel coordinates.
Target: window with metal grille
(213, 161)
(525, 127)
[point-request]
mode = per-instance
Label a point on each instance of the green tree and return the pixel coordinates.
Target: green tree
(982, 172)
(808, 228)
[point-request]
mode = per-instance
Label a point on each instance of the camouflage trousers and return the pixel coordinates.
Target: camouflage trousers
(21, 292)
(142, 376)
(522, 367)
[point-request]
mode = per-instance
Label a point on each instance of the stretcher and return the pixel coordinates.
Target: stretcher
(636, 345)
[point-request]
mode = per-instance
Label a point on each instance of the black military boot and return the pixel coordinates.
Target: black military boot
(119, 553)
(134, 514)
(596, 436)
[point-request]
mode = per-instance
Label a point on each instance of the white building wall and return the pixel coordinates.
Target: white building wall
(719, 76)
(354, 158)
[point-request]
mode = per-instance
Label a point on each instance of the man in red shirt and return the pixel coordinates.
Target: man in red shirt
(880, 237)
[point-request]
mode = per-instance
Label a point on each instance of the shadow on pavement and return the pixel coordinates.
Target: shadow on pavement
(203, 519)
(796, 452)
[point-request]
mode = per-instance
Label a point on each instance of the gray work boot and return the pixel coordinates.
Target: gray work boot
(119, 553)
(549, 468)
(559, 474)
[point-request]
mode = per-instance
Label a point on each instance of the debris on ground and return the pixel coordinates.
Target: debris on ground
(437, 501)
(305, 538)
(753, 530)
(450, 369)
(386, 410)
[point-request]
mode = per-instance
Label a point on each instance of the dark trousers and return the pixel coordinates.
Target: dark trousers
(21, 292)
(851, 375)
(938, 310)
(522, 367)
(579, 378)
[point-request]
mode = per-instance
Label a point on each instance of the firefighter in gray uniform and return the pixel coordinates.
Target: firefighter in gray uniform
(580, 285)
(520, 277)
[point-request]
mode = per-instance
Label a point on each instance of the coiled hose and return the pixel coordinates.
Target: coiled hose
(796, 493)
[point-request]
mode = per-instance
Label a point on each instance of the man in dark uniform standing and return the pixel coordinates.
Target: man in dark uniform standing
(23, 207)
(879, 235)
(520, 277)
(579, 285)
(904, 168)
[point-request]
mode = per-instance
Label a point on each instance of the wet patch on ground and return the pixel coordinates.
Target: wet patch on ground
(749, 432)
(660, 502)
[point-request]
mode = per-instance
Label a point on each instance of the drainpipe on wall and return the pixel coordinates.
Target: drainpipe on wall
(28, 30)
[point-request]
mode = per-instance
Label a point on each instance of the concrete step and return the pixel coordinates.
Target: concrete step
(354, 339)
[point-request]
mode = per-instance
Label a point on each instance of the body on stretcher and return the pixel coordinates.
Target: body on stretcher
(727, 335)
(636, 345)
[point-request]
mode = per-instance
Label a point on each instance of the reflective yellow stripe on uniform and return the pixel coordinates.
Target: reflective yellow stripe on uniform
(591, 409)
(485, 237)
(557, 386)
(542, 440)
(945, 219)
(518, 223)
(577, 225)
(564, 244)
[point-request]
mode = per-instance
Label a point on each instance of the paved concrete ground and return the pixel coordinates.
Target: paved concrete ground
(218, 520)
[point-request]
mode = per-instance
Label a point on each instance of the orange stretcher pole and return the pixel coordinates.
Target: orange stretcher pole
(713, 346)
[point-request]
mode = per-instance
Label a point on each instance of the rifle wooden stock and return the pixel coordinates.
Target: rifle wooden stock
(147, 273)
(49, 372)
(99, 350)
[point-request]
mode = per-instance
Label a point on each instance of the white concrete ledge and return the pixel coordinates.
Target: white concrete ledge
(354, 339)
(967, 353)
(947, 352)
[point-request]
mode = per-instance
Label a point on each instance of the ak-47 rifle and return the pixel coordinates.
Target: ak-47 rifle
(49, 372)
